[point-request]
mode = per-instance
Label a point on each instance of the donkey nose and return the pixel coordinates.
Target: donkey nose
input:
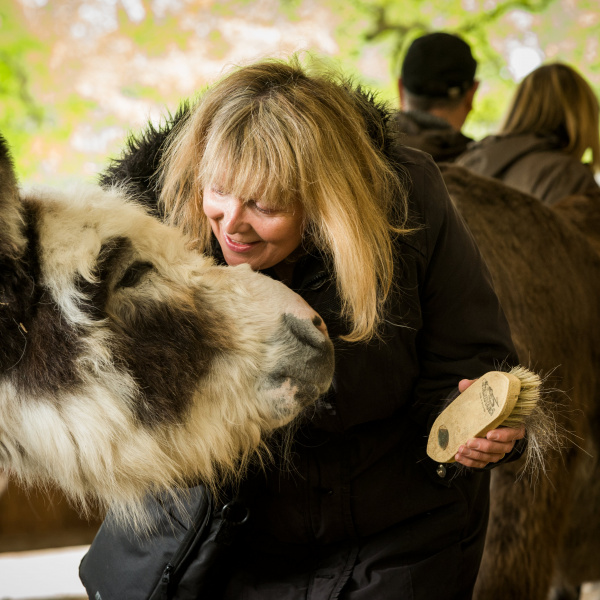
(310, 332)
(320, 324)
(294, 304)
(303, 311)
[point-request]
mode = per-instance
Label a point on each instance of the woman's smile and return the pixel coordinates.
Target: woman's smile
(249, 233)
(239, 246)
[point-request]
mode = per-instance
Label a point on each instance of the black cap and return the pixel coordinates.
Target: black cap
(438, 65)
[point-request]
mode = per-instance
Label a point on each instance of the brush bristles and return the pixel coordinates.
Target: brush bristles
(535, 411)
(528, 397)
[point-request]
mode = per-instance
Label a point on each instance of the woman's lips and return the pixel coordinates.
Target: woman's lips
(238, 246)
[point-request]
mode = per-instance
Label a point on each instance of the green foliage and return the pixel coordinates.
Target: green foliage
(154, 36)
(20, 114)
(66, 102)
(218, 45)
(556, 29)
(226, 9)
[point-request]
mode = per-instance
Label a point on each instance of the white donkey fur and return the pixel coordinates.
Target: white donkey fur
(98, 438)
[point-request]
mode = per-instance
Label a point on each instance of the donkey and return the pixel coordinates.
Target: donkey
(129, 363)
(544, 534)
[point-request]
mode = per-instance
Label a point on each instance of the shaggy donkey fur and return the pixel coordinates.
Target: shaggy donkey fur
(130, 364)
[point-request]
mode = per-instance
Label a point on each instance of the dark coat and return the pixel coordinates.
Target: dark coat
(534, 164)
(360, 511)
(431, 134)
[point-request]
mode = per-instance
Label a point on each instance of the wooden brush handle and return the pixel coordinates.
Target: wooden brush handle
(483, 406)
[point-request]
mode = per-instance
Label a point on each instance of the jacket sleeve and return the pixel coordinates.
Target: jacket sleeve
(465, 332)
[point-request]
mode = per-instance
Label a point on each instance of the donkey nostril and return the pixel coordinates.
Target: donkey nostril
(304, 329)
(318, 322)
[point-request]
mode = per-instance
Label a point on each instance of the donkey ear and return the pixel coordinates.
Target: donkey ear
(11, 220)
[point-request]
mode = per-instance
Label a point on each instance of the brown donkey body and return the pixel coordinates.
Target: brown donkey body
(544, 534)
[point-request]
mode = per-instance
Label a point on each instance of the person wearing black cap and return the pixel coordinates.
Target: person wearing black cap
(437, 85)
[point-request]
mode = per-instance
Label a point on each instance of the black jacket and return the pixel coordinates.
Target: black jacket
(431, 134)
(359, 510)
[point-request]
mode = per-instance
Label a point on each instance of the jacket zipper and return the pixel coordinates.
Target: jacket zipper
(193, 537)
(165, 579)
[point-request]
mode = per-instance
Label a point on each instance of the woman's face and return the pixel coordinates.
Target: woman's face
(249, 233)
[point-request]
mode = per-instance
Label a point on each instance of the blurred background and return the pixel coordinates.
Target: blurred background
(77, 76)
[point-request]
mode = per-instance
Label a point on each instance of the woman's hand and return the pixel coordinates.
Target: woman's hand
(479, 452)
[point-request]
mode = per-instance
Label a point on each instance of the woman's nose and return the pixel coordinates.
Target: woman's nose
(233, 217)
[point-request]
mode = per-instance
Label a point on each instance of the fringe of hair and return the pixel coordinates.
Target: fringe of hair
(322, 141)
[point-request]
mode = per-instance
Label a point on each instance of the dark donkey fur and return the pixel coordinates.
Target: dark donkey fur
(546, 533)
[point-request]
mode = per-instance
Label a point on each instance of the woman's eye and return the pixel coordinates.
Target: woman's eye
(219, 192)
(261, 209)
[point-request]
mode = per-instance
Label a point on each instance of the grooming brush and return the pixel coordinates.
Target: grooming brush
(495, 399)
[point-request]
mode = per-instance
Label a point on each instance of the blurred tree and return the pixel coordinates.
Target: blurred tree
(404, 23)
(508, 37)
(76, 75)
(20, 114)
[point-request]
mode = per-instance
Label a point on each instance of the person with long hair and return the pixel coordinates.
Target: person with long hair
(298, 173)
(552, 121)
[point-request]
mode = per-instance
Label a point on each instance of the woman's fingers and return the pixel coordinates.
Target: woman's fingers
(506, 434)
(479, 452)
(463, 384)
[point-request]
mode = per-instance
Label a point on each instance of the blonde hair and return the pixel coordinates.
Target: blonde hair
(276, 132)
(555, 99)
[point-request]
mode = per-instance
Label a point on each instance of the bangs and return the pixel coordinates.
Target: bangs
(252, 162)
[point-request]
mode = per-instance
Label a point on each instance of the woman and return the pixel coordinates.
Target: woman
(551, 122)
(299, 175)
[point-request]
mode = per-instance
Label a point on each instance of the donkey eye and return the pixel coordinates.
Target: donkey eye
(134, 273)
